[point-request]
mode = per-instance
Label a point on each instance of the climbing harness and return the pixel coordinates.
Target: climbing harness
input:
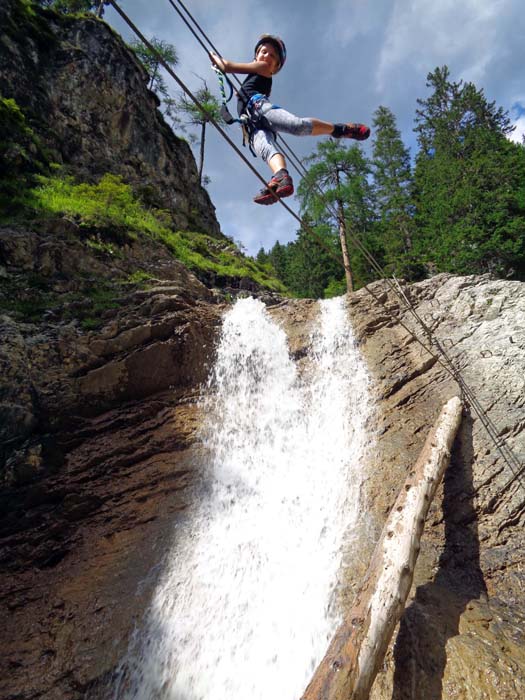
(249, 120)
(226, 115)
(440, 355)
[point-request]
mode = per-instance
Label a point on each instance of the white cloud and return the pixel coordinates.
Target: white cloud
(519, 132)
(423, 34)
(347, 21)
(345, 58)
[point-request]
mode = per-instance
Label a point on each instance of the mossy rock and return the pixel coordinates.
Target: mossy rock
(21, 154)
(25, 21)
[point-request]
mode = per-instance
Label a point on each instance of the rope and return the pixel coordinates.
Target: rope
(300, 167)
(221, 76)
(445, 361)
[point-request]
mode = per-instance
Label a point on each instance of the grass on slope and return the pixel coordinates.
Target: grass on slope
(110, 209)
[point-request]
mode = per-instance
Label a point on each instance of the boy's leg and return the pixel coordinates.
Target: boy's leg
(277, 162)
(281, 184)
(283, 121)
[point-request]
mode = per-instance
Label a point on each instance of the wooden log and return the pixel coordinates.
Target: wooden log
(357, 650)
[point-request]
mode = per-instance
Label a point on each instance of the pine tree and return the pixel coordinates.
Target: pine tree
(262, 256)
(312, 263)
(469, 183)
(336, 193)
(278, 258)
(392, 182)
(151, 61)
(211, 110)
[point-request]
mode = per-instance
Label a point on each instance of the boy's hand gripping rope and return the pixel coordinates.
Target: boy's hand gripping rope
(225, 112)
(221, 76)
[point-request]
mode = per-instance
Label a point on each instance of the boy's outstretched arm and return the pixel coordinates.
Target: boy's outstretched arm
(226, 66)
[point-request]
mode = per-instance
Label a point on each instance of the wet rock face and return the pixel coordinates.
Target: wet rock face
(105, 466)
(85, 95)
(463, 633)
(83, 544)
(99, 445)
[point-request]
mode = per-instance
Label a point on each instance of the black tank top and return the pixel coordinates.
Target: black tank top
(253, 84)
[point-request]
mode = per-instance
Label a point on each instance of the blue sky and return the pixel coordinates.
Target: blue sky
(345, 59)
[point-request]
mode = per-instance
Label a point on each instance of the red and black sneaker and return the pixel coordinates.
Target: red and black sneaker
(359, 132)
(281, 185)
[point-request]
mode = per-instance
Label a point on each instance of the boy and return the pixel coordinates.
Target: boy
(266, 118)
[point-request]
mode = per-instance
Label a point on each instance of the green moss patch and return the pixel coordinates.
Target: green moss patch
(22, 156)
(203, 253)
(109, 215)
(26, 21)
(108, 207)
(30, 297)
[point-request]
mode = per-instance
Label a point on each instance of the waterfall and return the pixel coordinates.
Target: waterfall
(249, 598)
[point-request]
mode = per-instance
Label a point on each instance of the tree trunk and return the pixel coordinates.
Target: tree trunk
(344, 251)
(342, 240)
(359, 645)
(153, 76)
(201, 161)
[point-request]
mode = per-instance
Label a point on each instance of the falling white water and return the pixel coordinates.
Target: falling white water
(248, 600)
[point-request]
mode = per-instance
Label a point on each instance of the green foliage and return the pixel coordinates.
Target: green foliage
(392, 178)
(108, 205)
(203, 254)
(152, 60)
(336, 188)
(140, 277)
(95, 300)
(336, 191)
(308, 266)
(29, 297)
(21, 154)
(461, 210)
(182, 111)
(278, 258)
(108, 215)
(26, 299)
(469, 183)
(262, 257)
(24, 10)
(26, 23)
(335, 288)
(194, 114)
(199, 116)
(99, 245)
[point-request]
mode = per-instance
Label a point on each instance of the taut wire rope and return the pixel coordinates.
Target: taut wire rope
(507, 454)
(445, 361)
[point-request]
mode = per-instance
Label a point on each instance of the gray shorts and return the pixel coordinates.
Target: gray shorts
(280, 120)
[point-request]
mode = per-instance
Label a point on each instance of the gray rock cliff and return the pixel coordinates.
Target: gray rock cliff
(463, 632)
(85, 95)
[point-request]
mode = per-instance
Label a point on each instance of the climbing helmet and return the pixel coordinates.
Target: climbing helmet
(277, 42)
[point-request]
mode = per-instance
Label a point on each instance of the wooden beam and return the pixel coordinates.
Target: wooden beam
(357, 650)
